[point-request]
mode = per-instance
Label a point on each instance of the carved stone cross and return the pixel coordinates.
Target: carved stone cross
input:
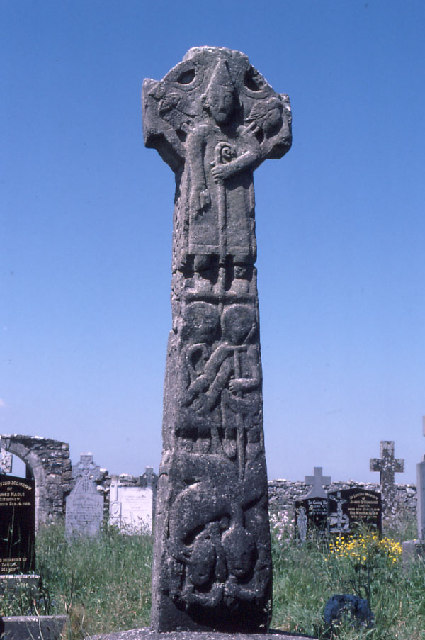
(6, 459)
(86, 468)
(213, 119)
(387, 465)
(317, 481)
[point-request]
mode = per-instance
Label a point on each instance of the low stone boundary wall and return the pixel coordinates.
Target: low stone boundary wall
(283, 493)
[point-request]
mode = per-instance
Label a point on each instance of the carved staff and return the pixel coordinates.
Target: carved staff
(223, 154)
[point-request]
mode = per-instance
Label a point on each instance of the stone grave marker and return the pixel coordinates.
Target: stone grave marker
(17, 525)
(213, 119)
(349, 509)
(131, 507)
(311, 511)
(84, 505)
(387, 465)
(6, 459)
(414, 548)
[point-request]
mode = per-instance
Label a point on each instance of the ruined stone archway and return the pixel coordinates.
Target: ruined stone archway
(48, 462)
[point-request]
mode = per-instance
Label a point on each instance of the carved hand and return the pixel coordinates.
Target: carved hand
(199, 199)
(223, 171)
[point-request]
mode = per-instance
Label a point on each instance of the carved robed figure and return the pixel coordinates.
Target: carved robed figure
(214, 119)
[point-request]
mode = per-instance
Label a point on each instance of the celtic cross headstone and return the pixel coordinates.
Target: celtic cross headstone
(213, 119)
(387, 465)
(84, 505)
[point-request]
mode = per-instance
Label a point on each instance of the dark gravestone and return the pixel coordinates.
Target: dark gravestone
(349, 509)
(17, 525)
(311, 511)
(214, 119)
(311, 517)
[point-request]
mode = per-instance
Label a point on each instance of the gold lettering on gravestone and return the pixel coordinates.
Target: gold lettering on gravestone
(16, 526)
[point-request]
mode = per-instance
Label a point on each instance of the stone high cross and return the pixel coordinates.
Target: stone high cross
(213, 119)
(387, 465)
(317, 481)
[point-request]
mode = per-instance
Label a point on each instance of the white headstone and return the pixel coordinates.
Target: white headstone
(130, 507)
(5, 459)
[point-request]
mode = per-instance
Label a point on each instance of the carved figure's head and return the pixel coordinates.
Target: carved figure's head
(267, 114)
(238, 323)
(201, 563)
(201, 323)
(239, 547)
(220, 97)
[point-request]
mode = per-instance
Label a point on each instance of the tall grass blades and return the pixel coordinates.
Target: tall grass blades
(103, 584)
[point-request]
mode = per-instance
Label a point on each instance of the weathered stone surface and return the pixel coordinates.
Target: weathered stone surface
(148, 634)
(283, 495)
(84, 505)
(214, 119)
(420, 497)
(6, 459)
(48, 462)
(33, 627)
(388, 466)
(130, 508)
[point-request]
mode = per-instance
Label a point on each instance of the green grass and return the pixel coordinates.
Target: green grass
(306, 576)
(103, 584)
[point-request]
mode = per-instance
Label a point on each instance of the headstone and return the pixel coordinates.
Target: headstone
(420, 495)
(131, 507)
(416, 548)
(388, 466)
(17, 525)
(349, 509)
(213, 119)
(317, 481)
(6, 459)
(311, 517)
(84, 505)
(311, 511)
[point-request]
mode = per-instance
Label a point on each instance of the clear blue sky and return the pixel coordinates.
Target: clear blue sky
(87, 215)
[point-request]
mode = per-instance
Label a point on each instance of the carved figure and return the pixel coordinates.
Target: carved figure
(214, 119)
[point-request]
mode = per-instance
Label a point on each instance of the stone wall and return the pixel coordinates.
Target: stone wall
(283, 493)
(47, 461)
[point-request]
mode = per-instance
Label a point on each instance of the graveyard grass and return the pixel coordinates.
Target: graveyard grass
(103, 583)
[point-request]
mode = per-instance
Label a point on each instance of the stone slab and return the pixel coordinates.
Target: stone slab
(148, 634)
(420, 497)
(350, 508)
(32, 627)
(413, 549)
(130, 508)
(18, 583)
